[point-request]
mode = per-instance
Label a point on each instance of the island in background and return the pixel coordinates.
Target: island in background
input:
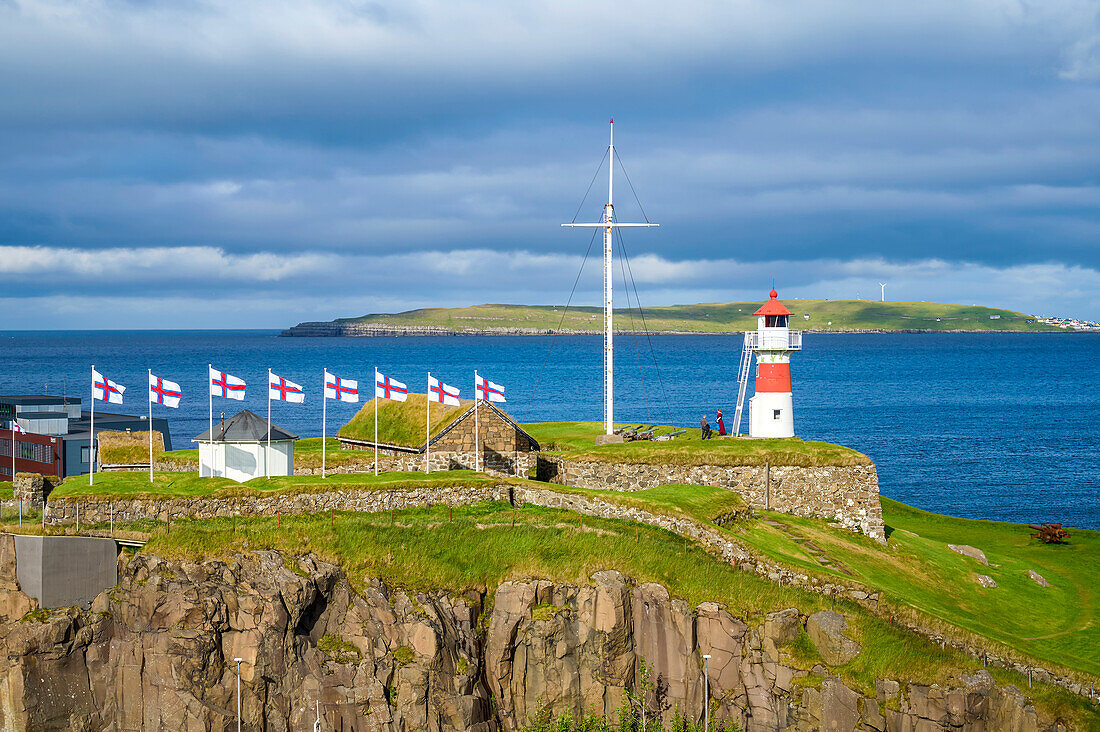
(818, 316)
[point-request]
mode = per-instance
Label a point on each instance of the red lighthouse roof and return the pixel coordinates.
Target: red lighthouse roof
(773, 306)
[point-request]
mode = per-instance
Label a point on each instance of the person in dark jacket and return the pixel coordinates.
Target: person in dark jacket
(704, 425)
(721, 424)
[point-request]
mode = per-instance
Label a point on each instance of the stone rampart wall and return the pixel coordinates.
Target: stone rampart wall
(848, 495)
(101, 509)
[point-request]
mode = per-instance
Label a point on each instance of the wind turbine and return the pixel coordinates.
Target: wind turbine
(883, 286)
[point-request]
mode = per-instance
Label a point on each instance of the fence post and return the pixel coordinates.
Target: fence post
(112, 518)
(768, 486)
(20, 511)
(43, 515)
(78, 517)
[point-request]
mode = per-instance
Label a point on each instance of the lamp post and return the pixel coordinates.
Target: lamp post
(238, 660)
(706, 692)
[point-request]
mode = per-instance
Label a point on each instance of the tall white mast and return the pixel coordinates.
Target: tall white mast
(608, 225)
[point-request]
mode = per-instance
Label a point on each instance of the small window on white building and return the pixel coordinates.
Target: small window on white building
(776, 413)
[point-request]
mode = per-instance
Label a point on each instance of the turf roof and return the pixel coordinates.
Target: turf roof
(402, 423)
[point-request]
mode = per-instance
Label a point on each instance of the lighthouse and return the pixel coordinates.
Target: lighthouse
(771, 410)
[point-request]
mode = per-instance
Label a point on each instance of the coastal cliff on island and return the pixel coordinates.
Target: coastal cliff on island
(823, 316)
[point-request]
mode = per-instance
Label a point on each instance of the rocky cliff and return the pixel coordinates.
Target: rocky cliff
(157, 653)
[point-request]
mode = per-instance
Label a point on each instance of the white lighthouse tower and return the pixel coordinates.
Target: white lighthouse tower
(771, 410)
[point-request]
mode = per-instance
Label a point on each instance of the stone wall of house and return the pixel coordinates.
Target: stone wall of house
(504, 449)
(492, 462)
(845, 494)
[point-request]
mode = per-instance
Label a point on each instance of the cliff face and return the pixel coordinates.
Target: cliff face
(157, 653)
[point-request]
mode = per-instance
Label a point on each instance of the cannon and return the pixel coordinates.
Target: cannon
(1049, 533)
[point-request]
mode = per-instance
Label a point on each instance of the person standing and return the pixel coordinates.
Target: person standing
(704, 427)
(721, 424)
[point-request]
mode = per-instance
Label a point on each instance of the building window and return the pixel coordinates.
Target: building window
(776, 413)
(85, 453)
(26, 450)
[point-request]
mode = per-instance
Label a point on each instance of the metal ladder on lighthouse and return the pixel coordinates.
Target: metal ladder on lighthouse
(742, 383)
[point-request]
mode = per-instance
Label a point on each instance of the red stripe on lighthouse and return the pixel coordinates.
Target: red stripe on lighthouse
(773, 378)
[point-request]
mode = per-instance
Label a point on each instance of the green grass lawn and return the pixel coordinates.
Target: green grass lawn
(576, 440)
(177, 485)
(1057, 624)
(479, 548)
(831, 315)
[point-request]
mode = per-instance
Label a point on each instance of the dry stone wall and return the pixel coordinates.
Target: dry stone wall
(847, 495)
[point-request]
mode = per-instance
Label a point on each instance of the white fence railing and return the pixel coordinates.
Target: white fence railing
(756, 340)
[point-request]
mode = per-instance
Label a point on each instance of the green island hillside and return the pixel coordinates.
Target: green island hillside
(823, 316)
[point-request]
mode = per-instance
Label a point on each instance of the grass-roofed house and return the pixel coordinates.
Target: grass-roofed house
(405, 433)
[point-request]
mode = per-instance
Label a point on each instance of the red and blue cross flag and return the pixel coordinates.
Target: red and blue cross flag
(283, 390)
(162, 391)
(387, 388)
(106, 390)
(342, 390)
(440, 392)
(224, 385)
(487, 390)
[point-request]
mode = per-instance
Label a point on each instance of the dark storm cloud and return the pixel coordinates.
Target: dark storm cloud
(262, 140)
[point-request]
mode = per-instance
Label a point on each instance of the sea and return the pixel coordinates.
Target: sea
(994, 426)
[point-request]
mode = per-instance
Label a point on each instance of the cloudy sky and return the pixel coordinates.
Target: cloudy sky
(254, 164)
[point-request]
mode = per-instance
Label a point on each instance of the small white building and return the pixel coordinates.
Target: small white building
(239, 449)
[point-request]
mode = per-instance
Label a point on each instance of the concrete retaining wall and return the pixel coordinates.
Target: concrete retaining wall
(61, 571)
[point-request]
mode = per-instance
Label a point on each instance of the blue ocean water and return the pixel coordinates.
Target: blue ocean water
(1004, 427)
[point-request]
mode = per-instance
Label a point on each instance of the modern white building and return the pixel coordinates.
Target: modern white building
(239, 449)
(771, 409)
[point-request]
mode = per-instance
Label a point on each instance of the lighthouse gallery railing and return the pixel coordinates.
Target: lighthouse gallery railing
(791, 341)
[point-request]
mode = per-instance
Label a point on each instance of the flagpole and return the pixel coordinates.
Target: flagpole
(477, 430)
(267, 453)
(376, 420)
(324, 418)
(91, 438)
(428, 426)
(210, 395)
(150, 395)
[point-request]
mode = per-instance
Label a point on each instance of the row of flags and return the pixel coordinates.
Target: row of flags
(225, 385)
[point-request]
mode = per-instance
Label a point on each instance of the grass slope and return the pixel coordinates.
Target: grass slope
(402, 423)
(480, 548)
(577, 440)
(827, 315)
(1056, 624)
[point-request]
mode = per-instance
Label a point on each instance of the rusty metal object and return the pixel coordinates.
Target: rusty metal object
(1049, 533)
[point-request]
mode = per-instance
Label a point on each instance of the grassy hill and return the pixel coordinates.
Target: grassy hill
(824, 315)
(478, 547)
